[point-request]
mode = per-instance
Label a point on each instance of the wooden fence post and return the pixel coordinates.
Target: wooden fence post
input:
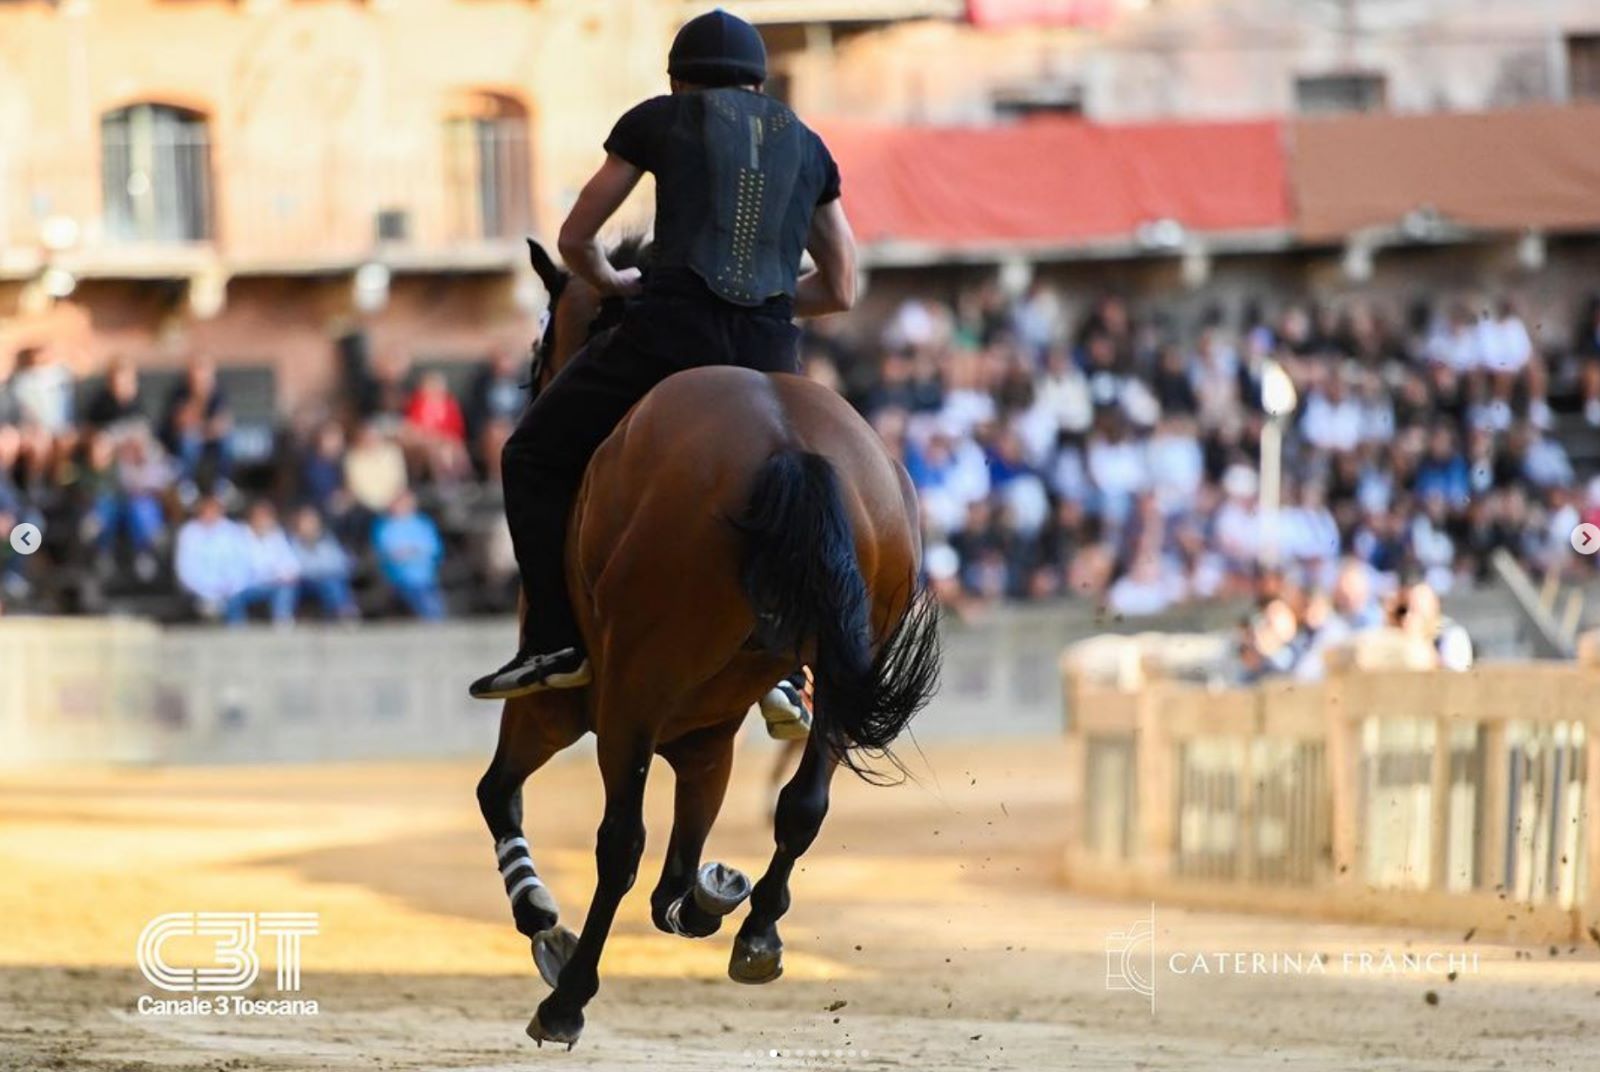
(1156, 768)
(1494, 807)
(1343, 752)
(1439, 807)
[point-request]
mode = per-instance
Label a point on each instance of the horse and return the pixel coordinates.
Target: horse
(734, 526)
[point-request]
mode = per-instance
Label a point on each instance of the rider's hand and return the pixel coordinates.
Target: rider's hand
(625, 284)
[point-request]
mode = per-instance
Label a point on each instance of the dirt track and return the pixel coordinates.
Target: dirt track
(930, 911)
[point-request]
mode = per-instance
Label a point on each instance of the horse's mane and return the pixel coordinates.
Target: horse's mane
(631, 251)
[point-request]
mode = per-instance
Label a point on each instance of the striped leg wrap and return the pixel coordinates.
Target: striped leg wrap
(516, 867)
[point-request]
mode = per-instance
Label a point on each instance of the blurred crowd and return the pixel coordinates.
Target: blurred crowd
(1293, 629)
(1097, 453)
(1114, 457)
(385, 503)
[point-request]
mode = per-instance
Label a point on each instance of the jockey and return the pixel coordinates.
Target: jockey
(743, 188)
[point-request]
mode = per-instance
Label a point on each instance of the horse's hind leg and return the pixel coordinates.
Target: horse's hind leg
(532, 729)
(689, 900)
(802, 805)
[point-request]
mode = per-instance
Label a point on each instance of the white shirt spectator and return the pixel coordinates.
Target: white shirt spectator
(271, 557)
(1037, 427)
(964, 409)
(1377, 420)
(1028, 503)
(1037, 320)
(1177, 468)
(212, 560)
(1308, 532)
(1065, 396)
(1068, 477)
(1146, 589)
(43, 394)
(969, 476)
(917, 323)
(1435, 551)
(1547, 464)
(1457, 346)
(1138, 403)
(1238, 526)
(1332, 425)
(1504, 345)
(1119, 469)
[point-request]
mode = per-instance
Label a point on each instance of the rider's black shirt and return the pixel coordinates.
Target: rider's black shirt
(667, 136)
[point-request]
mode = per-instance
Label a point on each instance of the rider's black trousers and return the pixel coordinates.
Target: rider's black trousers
(544, 459)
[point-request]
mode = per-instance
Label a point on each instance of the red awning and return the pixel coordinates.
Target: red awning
(1081, 13)
(1056, 182)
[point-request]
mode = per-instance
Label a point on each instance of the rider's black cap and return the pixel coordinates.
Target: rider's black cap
(718, 49)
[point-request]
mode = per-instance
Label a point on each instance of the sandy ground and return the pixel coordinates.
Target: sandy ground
(928, 932)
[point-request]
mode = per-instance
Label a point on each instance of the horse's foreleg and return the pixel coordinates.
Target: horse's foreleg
(624, 766)
(802, 805)
(688, 900)
(532, 729)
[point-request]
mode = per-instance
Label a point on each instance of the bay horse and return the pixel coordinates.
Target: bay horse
(734, 526)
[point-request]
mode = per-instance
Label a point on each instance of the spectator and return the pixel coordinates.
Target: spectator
(272, 570)
(117, 403)
(437, 428)
(127, 497)
(1145, 589)
(375, 470)
(494, 404)
(1416, 611)
(322, 469)
(324, 566)
(42, 391)
(408, 548)
(212, 561)
(196, 424)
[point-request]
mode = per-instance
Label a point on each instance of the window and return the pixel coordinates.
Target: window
(155, 170)
(486, 167)
(1056, 99)
(1583, 66)
(1351, 91)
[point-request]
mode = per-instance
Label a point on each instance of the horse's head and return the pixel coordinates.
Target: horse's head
(577, 312)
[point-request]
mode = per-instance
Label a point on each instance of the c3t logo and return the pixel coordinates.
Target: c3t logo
(235, 963)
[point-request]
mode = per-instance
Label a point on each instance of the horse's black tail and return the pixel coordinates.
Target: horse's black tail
(802, 579)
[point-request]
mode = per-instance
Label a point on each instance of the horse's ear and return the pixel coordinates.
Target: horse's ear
(546, 269)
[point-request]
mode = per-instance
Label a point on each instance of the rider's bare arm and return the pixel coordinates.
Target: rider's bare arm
(579, 241)
(830, 287)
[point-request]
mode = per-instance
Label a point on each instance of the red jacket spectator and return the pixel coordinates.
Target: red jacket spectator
(434, 410)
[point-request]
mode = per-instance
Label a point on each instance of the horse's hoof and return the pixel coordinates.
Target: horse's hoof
(719, 889)
(755, 962)
(535, 911)
(551, 951)
(551, 1025)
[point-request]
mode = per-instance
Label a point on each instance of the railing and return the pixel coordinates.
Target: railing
(1396, 794)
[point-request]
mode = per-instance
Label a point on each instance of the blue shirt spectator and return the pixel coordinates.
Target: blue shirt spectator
(408, 548)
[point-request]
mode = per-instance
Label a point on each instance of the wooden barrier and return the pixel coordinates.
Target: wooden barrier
(1383, 793)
